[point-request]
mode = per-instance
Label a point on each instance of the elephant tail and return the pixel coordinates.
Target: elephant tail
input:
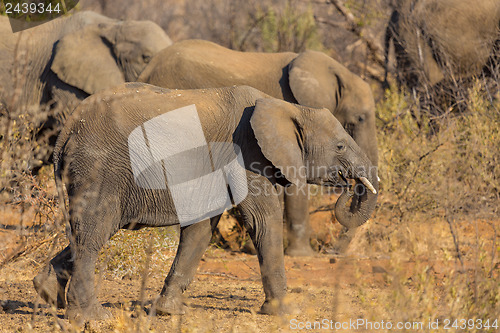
(58, 174)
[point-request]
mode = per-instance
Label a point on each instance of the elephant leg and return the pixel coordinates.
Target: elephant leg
(51, 281)
(266, 231)
(82, 301)
(194, 240)
(89, 232)
(296, 206)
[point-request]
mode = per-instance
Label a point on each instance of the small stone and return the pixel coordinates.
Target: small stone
(3, 306)
(378, 269)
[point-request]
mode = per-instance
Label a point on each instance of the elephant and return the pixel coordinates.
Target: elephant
(61, 62)
(139, 155)
(310, 78)
(442, 42)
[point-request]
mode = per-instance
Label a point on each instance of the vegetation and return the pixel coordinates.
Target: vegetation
(446, 170)
(436, 222)
(292, 30)
(438, 208)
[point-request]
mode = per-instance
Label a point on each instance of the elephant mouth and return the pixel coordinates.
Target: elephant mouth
(336, 181)
(343, 178)
(360, 185)
(339, 180)
(343, 182)
(335, 185)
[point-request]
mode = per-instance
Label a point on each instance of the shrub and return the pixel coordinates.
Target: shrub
(437, 190)
(288, 30)
(445, 173)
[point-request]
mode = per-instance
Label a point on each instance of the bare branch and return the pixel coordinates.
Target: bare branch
(220, 274)
(324, 208)
(332, 23)
(456, 242)
(345, 12)
(375, 51)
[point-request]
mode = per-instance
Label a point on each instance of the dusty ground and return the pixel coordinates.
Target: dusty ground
(227, 291)
(225, 295)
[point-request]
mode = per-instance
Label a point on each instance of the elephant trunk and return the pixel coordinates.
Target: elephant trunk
(363, 200)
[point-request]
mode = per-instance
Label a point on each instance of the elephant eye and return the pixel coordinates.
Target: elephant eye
(146, 58)
(340, 146)
(361, 118)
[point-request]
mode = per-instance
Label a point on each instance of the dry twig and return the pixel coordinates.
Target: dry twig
(375, 51)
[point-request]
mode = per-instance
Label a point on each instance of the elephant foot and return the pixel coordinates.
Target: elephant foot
(274, 307)
(48, 286)
(169, 305)
(303, 250)
(81, 315)
(249, 248)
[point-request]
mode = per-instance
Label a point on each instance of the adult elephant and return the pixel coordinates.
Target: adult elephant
(442, 41)
(65, 60)
(139, 155)
(309, 78)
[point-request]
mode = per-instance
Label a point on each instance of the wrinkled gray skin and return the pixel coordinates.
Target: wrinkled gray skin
(436, 40)
(309, 78)
(67, 59)
(92, 158)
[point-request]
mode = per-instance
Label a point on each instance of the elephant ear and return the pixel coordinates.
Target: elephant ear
(314, 79)
(83, 60)
(277, 129)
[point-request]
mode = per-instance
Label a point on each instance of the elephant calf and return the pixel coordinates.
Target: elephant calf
(309, 78)
(140, 155)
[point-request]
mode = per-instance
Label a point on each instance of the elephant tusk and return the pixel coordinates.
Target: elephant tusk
(378, 178)
(369, 185)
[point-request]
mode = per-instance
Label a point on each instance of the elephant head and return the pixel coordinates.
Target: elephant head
(310, 145)
(319, 81)
(106, 54)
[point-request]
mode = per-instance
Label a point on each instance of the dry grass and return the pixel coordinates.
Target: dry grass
(438, 208)
(436, 226)
(444, 172)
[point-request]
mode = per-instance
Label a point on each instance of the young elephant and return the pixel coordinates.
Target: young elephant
(139, 155)
(309, 78)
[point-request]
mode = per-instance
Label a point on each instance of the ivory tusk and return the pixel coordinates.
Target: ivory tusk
(369, 185)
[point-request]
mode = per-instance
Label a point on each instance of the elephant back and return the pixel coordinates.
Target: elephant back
(196, 64)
